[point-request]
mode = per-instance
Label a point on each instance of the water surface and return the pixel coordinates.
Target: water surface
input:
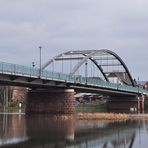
(39, 131)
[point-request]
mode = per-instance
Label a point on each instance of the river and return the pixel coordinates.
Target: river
(18, 130)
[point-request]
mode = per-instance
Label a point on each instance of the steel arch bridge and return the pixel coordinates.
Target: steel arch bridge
(107, 62)
(61, 85)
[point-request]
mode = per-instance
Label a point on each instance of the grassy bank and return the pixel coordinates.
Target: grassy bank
(98, 107)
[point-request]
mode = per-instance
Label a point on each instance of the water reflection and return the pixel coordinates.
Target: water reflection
(13, 129)
(44, 131)
(50, 128)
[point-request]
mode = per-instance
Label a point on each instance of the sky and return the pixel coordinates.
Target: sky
(63, 25)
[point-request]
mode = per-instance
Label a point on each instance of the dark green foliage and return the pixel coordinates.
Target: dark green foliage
(13, 104)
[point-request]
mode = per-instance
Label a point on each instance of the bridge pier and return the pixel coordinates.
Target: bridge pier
(53, 101)
(126, 103)
(141, 100)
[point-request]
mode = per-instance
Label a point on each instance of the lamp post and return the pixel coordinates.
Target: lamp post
(86, 71)
(138, 84)
(40, 47)
(33, 65)
(117, 83)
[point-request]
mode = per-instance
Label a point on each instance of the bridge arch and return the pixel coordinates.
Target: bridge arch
(102, 58)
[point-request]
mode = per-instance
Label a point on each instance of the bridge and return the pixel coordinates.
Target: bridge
(96, 71)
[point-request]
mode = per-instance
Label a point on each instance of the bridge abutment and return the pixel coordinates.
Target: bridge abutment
(53, 101)
(126, 103)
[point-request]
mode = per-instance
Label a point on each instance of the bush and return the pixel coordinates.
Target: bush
(13, 104)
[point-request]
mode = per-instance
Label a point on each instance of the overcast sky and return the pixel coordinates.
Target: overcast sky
(63, 25)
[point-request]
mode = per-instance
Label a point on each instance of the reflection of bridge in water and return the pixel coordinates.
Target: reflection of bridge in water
(39, 131)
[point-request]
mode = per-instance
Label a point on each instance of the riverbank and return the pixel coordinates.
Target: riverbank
(103, 116)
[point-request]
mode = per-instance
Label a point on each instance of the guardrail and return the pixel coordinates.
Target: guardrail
(13, 69)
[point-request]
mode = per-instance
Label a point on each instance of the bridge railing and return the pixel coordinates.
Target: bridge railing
(19, 70)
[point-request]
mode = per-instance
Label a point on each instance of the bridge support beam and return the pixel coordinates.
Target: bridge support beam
(126, 103)
(54, 101)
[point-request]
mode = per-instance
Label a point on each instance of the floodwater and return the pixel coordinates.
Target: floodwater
(40, 131)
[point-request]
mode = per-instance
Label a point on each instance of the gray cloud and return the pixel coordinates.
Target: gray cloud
(64, 25)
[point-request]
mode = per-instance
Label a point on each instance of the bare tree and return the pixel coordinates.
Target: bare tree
(5, 95)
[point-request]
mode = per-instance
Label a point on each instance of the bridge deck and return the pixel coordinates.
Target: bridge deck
(30, 72)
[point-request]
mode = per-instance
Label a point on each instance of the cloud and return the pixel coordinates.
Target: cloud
(64, 25)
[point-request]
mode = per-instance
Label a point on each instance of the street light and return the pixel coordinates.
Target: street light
(33, 64)
(40, 47)
(86, 71)
(138, 84)
(117, 82)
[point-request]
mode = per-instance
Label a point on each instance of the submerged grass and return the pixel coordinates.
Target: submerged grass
(111, 116)
(138, 117)
(101, 116)
(93, 116)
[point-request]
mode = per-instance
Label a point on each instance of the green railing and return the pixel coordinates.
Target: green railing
(14, 69)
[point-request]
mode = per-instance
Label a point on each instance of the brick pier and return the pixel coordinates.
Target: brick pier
(53, 101)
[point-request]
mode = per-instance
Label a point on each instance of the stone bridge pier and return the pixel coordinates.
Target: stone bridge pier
(128, 103)
(52, 101)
